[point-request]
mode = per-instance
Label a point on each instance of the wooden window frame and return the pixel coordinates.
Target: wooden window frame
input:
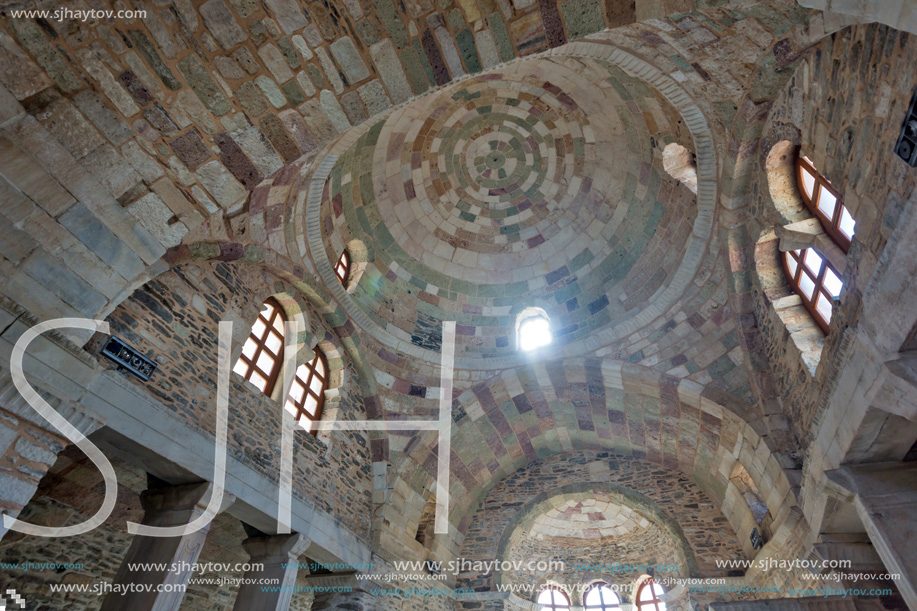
(648, 605)
(300, 405)
(552, 606)
(345, 261)
(831, 225)
(261, 346)
(819, 289)
(603, 605)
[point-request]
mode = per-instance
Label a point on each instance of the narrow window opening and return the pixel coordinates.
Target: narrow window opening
(553, 598)
(815, 280)
(825, 203)
(342, 268)
(600, 597)
(261, 361)
(307, 393)
(749, 491)
(649, 596)
(533, 329)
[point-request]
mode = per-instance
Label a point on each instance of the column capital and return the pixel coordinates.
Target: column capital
(177, 505)
(275, 559)
(265, 547)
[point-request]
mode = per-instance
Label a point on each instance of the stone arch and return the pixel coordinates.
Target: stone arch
(749, 236)
(584, 491)
(784, 310)
(581, 404)
(177, 315)
(780, 168)
(299, 283)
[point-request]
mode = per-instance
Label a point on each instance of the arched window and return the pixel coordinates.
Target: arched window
(261, 358)
(648, 596)
(815, 281)
(342, 268)
(533, 329)
(307, 393)
(825, 203)
(553, 598)
(601, 597)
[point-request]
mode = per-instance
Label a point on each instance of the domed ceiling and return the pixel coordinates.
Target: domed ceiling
(540, 184)
(589, 535)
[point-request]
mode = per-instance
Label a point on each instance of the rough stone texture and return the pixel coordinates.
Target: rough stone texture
(437, 219)
(841, 142)
(164, 314)
(221, 45)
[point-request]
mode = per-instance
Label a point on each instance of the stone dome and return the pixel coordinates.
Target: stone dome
(539, 185)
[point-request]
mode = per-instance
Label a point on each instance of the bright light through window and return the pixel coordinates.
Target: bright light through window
(534, 332)
(552, 599)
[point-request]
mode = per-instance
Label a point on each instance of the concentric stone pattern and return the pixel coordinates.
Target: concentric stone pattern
(540, 185)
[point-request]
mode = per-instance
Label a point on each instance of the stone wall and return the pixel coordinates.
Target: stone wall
(850, 135)
(706, 530)
(174, 321)
(127, 132)
(70, 494)
(651, 546)
(26, 452)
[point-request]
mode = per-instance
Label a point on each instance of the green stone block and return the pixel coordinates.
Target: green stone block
(388, 13)
(683, 65)
(413, 68)
(46, 55)
(720, 367)
(367, 32)
(293, 93)
(289, 53)
(148, 52)
(364, 222)
(501, 37)
(204, 250)
(468, 50)
(455, 19)
(568, 292)
(315, 75)
(384, 239)
(203, 86)
(580, 260)
(490, 290)
(251, 99)
(582, 17)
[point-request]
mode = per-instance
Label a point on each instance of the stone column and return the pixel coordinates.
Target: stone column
(278, 557)
(163, 506)
(884, 495)
(346, 601)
